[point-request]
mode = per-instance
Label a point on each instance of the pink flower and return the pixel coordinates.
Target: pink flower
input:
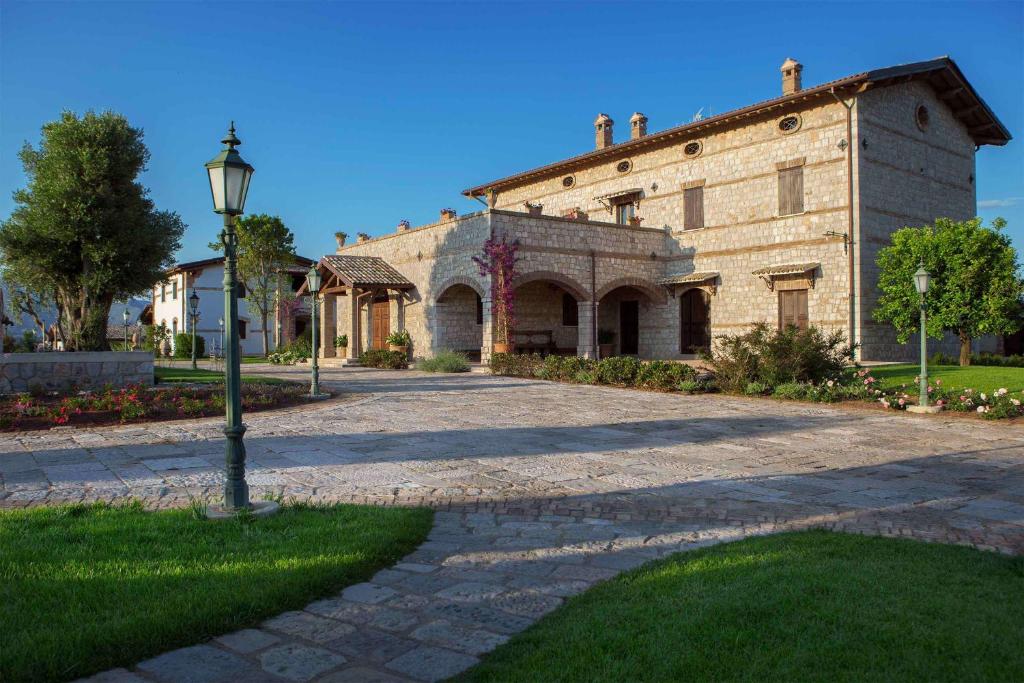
(902, 402)
(938, 382)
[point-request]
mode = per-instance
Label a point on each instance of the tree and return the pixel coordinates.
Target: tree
(975, 287)
(265, 246)
(84, 228)
(498, 262)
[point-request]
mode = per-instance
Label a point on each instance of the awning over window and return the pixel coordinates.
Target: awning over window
(787, 269)
(689, 278)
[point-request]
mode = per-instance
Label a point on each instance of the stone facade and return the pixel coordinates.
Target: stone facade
(575, 240)
(22, 372)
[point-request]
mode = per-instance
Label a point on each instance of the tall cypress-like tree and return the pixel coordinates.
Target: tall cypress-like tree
(85, 228)
(975, 288)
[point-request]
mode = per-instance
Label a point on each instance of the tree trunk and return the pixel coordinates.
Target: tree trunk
(266, 340)
(965, 349)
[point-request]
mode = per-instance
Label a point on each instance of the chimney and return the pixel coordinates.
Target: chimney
(637, 126)
(791, 76)
(603, 131)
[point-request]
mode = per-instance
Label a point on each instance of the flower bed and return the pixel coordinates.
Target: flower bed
(137, 404)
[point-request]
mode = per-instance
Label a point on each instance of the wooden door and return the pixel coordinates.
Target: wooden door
(381, 316)
(629, 327)
(694, 321)
(793, 309)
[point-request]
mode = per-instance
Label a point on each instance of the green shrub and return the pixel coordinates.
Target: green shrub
(585, 377)
(183, 345)
(794, 391)
(552, 369)
(661, 375)
(399, 338)
(618, 370)
(771, 357)
(382, 358)
(445, 361)
(516, 364)
(756, 388)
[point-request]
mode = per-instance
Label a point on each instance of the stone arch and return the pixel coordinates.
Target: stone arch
(577, 290)
(649, 289)
(460, 280)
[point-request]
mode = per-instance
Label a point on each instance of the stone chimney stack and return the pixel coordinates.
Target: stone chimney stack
(603, 131)
(637, 126)
(791, 76)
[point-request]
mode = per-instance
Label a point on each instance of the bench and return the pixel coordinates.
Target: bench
(534, 341)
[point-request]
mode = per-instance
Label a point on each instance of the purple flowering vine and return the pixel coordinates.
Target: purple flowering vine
(498, 262)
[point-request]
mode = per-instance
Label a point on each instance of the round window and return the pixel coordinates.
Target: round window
(789, 124)
(568, 181)
(921, 116)
(692, 149)
(624, 166)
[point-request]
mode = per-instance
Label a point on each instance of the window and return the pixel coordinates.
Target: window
(693, 149)
(568, 181)
(793, 309)
(921, 117)
(163, 292)
(174, 289)
(174, 327)
(479, 310)
(241, 290)
(624, 166)
(789, 124)
(624, 211)
(791, 191)
(570, 311)
(242, 328)
(297, 282)
(693, 208)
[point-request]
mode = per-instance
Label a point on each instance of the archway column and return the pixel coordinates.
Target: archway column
(586, 342)
(328, 325)
(487, 347)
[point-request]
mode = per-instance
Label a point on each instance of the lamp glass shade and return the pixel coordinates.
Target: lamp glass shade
(922, 278)
(313, 280)
(229, 177)
(221, 322)
(193, 302)
(127, 316)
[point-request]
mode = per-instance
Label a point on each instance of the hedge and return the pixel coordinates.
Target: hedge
(620, 371)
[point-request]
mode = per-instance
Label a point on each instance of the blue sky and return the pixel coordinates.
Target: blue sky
(357, 115)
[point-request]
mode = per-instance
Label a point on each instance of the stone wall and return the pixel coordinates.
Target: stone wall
(22, 372)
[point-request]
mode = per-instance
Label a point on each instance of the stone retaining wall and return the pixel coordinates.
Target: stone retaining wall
(61, 371)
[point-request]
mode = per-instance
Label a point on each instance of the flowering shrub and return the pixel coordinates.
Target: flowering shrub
(498, 262)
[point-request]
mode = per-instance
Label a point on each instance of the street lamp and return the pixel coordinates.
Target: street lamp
(127, 316)
(193, 306)
(221, 323)
(313, 282)
(922, 279)
(229, 183)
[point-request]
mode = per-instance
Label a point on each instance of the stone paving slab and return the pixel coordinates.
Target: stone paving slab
(542, 490)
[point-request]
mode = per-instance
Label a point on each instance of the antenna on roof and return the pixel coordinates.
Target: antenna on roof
(699, 116)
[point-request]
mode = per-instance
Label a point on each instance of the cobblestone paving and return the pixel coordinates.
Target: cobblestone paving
(542, 490)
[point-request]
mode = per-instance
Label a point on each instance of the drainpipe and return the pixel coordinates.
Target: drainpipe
(593, 302)
(849, 214)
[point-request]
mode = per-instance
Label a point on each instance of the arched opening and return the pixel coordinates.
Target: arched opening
(622, 316)
(547, 318)
(694, 321)
(459, 316)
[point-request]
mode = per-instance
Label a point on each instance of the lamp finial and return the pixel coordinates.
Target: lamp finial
(231, 141)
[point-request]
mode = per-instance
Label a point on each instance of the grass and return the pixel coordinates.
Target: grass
(979, 377)
(445, 361)
(201, 376)
(807, 606)
(87, 588)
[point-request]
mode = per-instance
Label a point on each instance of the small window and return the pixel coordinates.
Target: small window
(624, 166)
(789, 124)
(570, 311)
(693, 149)
(174, 326)
(921, 117)
(163, 292)
(793, 309)
(693, 208)
(623, 212)
(240, 290)
(243, 328)
(479, 310)
(297, 282)
(174, 290)
(568, 181)
(791, 191)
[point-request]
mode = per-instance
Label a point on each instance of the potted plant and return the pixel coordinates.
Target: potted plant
(533, 209)
(362, 237)
(341, 237)
(448, 214)
(636, 220)
(341, 342)
(605, 343)
(399, 341)
(498, 262)
(403, 225)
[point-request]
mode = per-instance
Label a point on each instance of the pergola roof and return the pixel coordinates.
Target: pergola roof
(361, 272)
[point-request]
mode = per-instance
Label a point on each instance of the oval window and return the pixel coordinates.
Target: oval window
(692, 149)
(788, 124)
(921, 116)
(624, 166)
(568, 181)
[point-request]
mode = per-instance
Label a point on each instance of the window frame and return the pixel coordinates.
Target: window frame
(797, 195)
(624, 210)
(802, 313)
(690, 195)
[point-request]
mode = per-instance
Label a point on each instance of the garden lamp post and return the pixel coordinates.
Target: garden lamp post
(126, 316)
(229, 183)
(221, 323)
(922, 278)
(193, 308)
(313, 282)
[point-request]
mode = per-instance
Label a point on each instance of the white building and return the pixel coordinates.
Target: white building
(206, 278)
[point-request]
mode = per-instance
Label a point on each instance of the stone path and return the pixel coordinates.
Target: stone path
(543, 489)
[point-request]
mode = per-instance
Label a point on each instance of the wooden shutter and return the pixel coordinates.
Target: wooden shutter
(791, 191)
(793, 309)
(801, 308)
(693, 208)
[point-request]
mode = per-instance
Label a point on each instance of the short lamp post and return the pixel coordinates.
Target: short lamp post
(221, 323)
(922, 279)
(313, 283)
(127, 316)
(229, 183)
(193, 307)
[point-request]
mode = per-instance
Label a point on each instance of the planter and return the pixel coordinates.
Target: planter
(500, 347)
(605, 350)
(401, 348)
(342, 351)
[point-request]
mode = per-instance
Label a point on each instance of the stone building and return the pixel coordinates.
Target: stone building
(773, 212)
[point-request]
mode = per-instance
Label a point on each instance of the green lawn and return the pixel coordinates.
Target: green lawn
(84, 589)
(979, 377)
(187, 374)
(809, 606)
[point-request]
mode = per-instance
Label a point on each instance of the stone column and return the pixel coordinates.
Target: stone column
(355, 346)
(587, 313)
(487, 345)
(328, 324)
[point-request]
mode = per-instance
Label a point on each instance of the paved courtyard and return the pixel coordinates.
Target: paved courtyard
(542, 489)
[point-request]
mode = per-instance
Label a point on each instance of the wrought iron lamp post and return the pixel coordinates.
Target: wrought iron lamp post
(221, 323)
(229, 183)
(313, 283)
(922, 278)
(193, 306)
(126, 316)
